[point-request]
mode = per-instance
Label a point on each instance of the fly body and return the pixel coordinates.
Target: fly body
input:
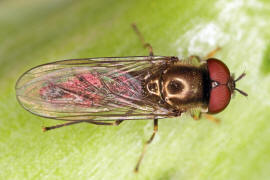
(108, 91)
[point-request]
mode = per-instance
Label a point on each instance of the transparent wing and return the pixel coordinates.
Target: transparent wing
(90, 89)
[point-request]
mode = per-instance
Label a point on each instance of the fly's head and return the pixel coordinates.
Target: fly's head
(223, 85)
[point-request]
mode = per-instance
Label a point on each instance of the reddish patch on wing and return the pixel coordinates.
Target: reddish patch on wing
(88, 90)
(93, 79)
(80, 90)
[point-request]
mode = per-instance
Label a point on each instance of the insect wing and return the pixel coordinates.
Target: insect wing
(89, 89)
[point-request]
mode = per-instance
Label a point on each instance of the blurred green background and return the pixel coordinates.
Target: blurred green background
(33, 32)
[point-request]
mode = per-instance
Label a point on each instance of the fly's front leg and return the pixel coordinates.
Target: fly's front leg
(146, 144)
(145, 44)
(209, 55)
(201, 115)
(211, 118)
(212, 53)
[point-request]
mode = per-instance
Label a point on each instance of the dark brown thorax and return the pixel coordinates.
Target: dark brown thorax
(180, 86)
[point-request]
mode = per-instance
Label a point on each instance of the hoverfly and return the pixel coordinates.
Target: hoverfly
(108, 91)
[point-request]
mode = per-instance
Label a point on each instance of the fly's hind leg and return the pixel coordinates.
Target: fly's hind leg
(115, 123)
(60, 125)
(146, 144)
(145, 44)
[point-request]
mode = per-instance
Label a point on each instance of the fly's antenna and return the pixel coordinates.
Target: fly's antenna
(241, 92)
(240, 77)
(237, 79)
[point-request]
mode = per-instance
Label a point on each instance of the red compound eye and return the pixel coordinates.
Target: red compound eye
(220, 95)
(218, 71)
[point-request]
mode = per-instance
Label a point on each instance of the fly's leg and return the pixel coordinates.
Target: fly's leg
(196, 115)
(211, 118)
(115, 123)
(209, 55)
(212, 53)
(170, 59)
(60, 125)
(207, 116)
(145, 44)
(196, 57)
(146, 144)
